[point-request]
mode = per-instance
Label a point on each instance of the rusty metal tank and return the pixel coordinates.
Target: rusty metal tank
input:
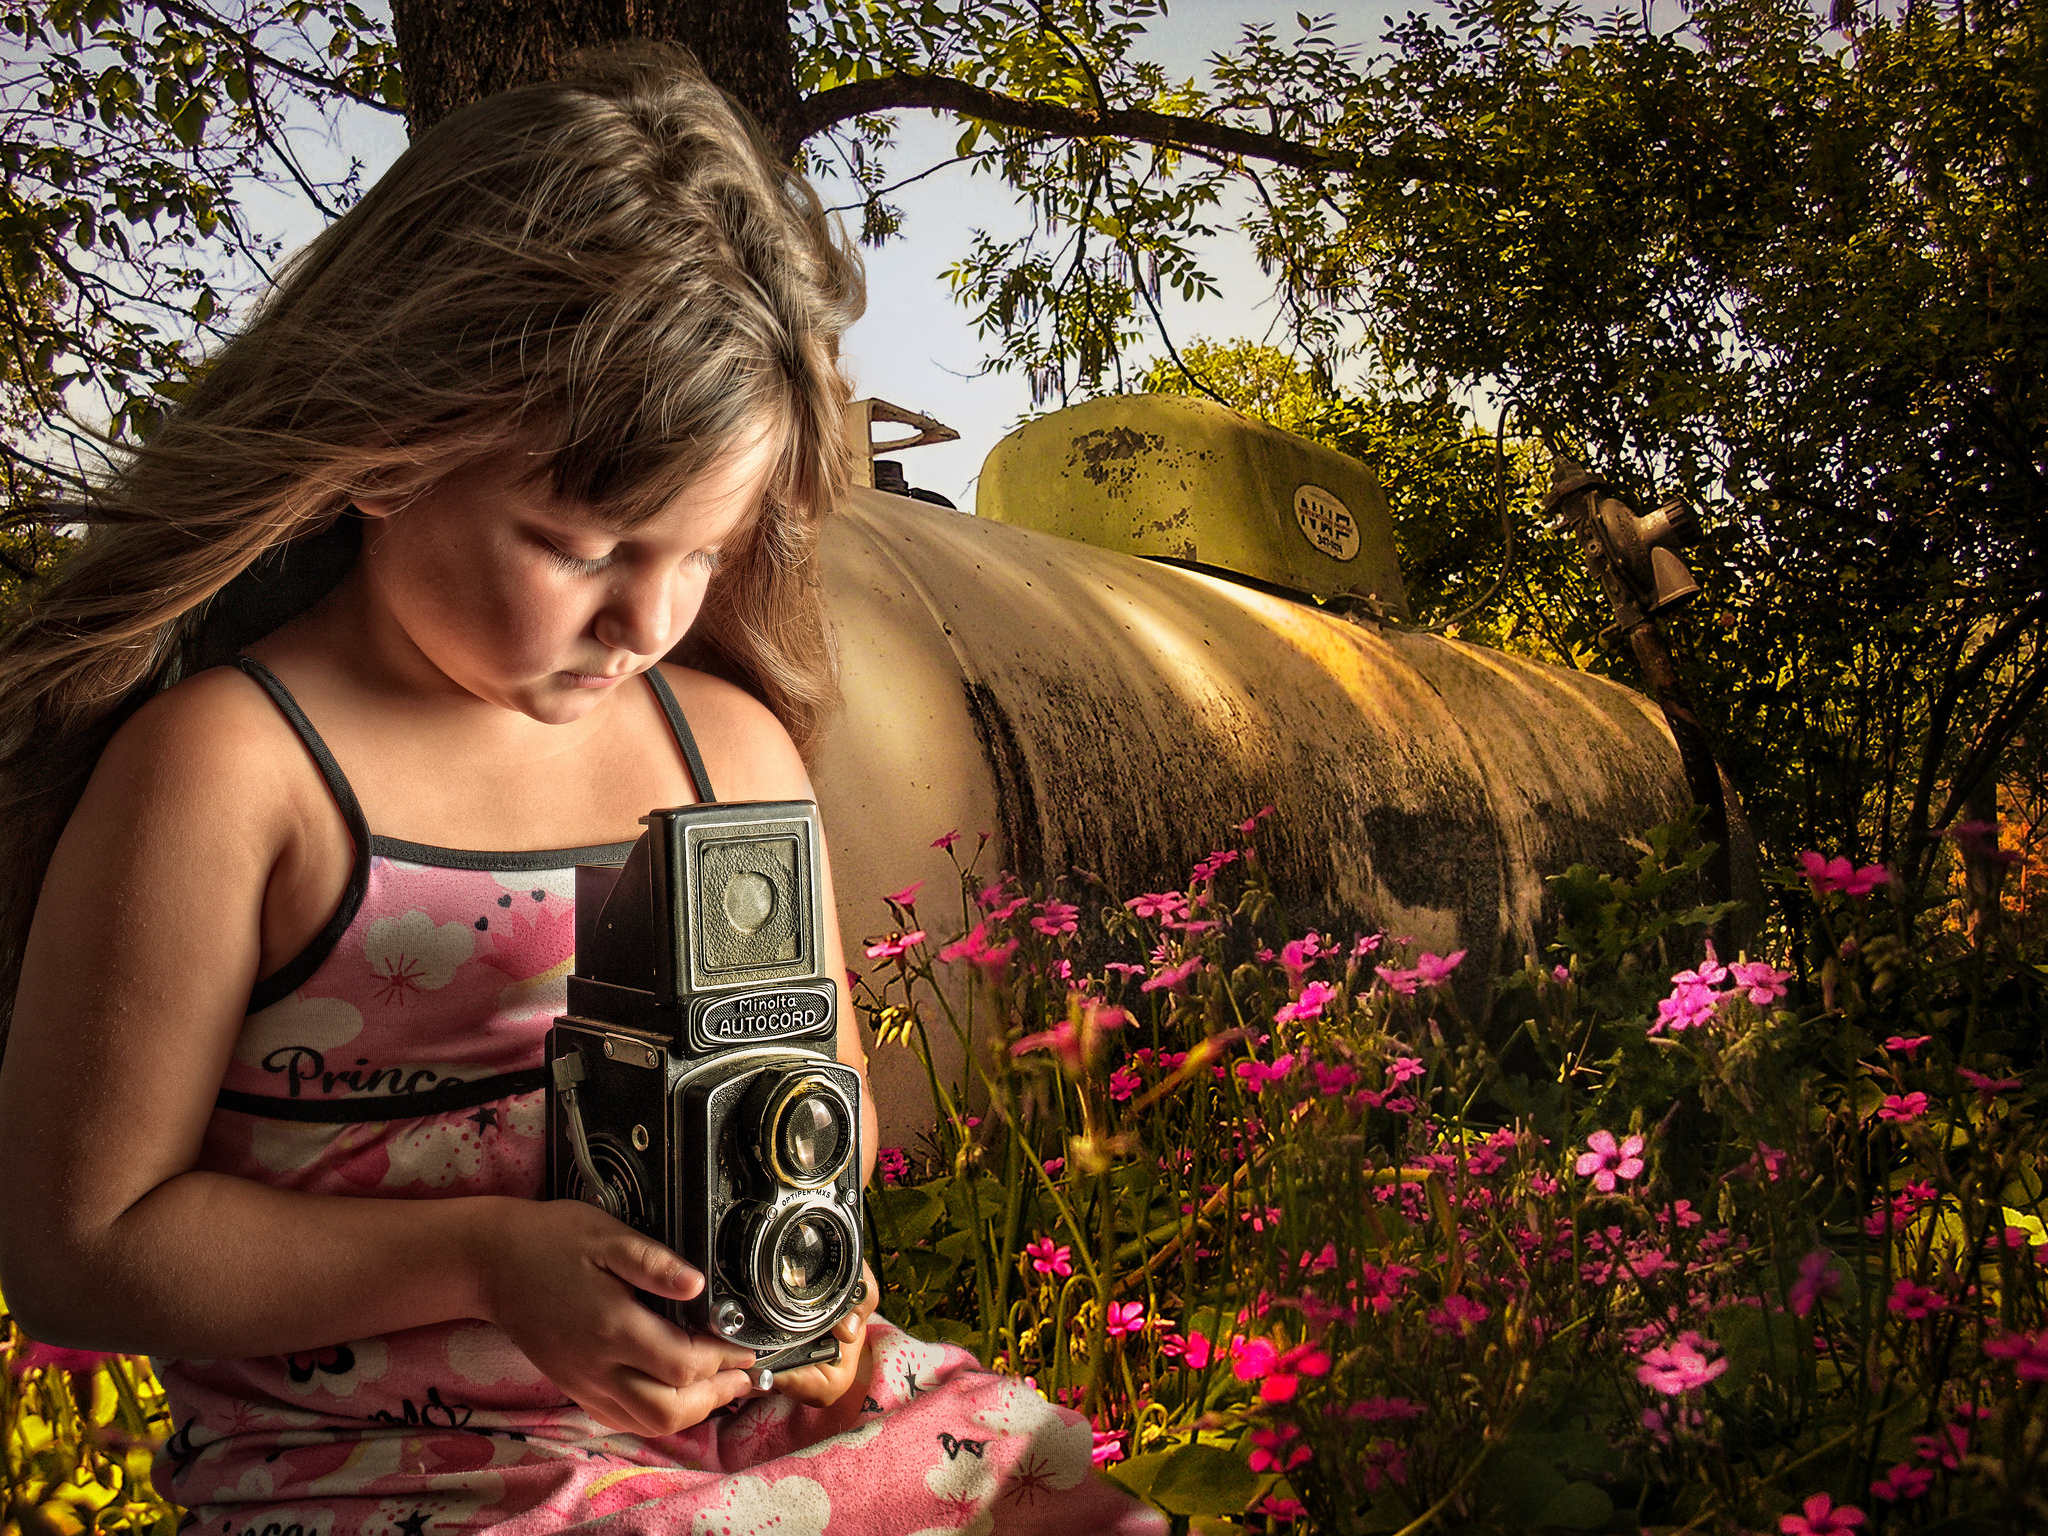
(1118, 708)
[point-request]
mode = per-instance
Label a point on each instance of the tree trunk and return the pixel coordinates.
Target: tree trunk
(454, 52)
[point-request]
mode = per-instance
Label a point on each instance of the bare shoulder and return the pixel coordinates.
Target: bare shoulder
(212, 741)
(746, 750)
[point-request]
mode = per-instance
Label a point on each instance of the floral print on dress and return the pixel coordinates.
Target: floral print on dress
(449, 975)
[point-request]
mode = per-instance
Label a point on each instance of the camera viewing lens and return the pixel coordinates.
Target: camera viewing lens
(810, 1261)
(813, 1135)
(807, 1131)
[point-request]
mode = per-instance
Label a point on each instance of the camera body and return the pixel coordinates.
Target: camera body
(692, 1088)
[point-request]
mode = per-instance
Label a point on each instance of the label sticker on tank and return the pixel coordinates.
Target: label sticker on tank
(1326, 522)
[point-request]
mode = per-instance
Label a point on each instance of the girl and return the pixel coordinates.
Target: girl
(562, 385)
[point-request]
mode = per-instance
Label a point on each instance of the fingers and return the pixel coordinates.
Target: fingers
(640, 1405)
(644, 1263)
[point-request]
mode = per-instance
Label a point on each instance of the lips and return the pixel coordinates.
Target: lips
(594, 680)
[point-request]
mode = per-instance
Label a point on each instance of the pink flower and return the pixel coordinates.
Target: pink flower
(1822, 1518)
(1108, 1448)
(1435, 970)
(1398, 980)
(1125, 1317)
(907, 895)
(1257, 1075)
(1174, 977)
(1383, 1410)
(1838, 874)
(1308, 1006)
(1988, 1088)
(1193, 1351)
(1250, 823)
(1298, 954)
(1690, 1005)
(1123, 1082)
(889, 949)
(1284, 1510)
(1910, 1299)
(1055, 918)
(1604, 1162)
(1681, 1214)
(1271, 1452)
(1903, 1045)
(1680, 1366)
(1333, 1080)
(1902, 1484)
(1160, 904)
(2027, 1351)
(1818, 1280)
(1459, 1314)
(1206, 870)
(1404, 1069)
(1979, 839)
(1902, 1108)
(1771, 1160)
(976, 949)
(1380, 1288)
(947, 840)
(1945, 1449)
(1049, 1259)
(1764, 983)
(893, 1163)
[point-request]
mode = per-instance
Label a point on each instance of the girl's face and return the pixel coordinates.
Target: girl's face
(533, 604)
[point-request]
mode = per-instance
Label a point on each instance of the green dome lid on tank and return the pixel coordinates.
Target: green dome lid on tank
(1172, 478)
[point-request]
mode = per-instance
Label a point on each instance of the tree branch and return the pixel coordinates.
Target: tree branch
(1167, 130)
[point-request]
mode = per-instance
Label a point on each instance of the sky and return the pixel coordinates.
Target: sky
(916, 346)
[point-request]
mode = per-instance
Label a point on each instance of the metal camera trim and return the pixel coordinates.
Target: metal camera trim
(778, 1105)
(756, 1242)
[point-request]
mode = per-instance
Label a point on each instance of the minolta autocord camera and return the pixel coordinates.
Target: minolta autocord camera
(692, 1086)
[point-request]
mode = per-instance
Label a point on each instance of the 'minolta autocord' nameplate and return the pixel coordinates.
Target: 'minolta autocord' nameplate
(782, 1013)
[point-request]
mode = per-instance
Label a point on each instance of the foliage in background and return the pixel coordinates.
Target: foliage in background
(80, 1431)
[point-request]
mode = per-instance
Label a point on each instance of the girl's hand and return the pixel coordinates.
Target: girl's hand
(820, 1386)
(559, 1275)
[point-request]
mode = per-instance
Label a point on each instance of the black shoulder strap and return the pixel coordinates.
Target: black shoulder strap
(282, 983)
(698, 777)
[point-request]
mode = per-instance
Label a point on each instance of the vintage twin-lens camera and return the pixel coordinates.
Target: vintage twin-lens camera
(692, 1087)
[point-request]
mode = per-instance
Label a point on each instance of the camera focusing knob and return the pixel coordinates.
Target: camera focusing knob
(731, 1319)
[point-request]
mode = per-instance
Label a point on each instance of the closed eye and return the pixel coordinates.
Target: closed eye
(576, 563)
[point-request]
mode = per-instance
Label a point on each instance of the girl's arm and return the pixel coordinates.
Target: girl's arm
(146, 941)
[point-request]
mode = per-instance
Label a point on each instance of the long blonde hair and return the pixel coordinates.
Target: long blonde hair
(610, 268)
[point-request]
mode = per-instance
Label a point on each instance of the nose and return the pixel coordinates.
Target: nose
(647, 612)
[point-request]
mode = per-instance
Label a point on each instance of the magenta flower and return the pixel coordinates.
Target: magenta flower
(1764, 983)
(1902, 1108)
(1380, 1288)
(1839, 874)
(1903, 1483)
(1988, 1088)
(1604, 1162)
(1055, 918)
(1159, 904)
(893, 1163)
(1681, 1366)
(1271, 1451)
(947, 840)
(1298, 954)
(1690, 1005)
(907, 895)
(1435, 970)
(1404, 1068)
(1818, 1280)
(1193, 1351)
(1333, 1080)
(1256, 1075)
(1398, 980)
(1123, 1082)
(1050, 1259)
(1207, 869)
(1250, 823)
(1912, 1300)
(34, 1355)
(2028, 1353)
(1904, 1045)
(1173, 978)
(1307, 1006)
(1109, 1448)
(976, 949)
(1821, 1517)
(890, 948)
(1458, 1314)
(1125, 1317)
